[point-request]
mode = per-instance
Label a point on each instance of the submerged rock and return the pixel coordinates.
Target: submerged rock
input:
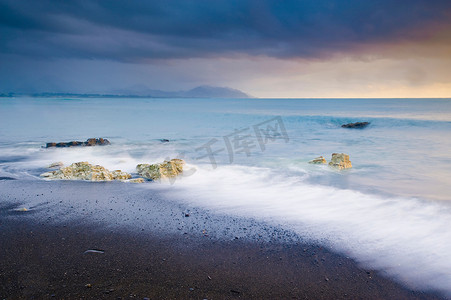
(137, 180)
(340, 161)
(167, 169)
(356, 125)
(318, 160)
(85, 171)
(89, 142)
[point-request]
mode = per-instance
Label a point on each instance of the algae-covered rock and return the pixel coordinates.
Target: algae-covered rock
(85, 171)
(167, 169)
(318, 160)
(340, 161)
(119, 175)
(149, 171)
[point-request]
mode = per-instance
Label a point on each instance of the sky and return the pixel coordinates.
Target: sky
(277, 48)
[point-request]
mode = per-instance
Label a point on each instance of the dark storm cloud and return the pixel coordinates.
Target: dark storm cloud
(144, 30)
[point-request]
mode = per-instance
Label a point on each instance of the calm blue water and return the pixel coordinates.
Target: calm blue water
(391, 211)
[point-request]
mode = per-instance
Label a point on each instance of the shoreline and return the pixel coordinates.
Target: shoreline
(44, 261)
(201, 256)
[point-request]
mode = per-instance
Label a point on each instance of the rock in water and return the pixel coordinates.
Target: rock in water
(58, 164)
(318, 160)
(96, 142)
(167, 169)
(85, 171)
(340, 161)
(89, 142)
(62, 145)
(137, 180)
(356, 125)
(119, 175)
(74, 144)
(149, 171)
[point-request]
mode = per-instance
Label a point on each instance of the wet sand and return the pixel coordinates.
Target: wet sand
(41, 259)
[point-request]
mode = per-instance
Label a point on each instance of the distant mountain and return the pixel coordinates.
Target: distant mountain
(204, 91)
(140, 91)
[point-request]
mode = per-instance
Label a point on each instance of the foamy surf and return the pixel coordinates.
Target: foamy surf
(114, 157)
(406, 238)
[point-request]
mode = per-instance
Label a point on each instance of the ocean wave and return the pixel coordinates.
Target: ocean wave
(406, 238)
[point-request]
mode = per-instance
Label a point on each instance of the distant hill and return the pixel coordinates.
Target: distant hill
(203, 91)
(140, 91)
(214, 92)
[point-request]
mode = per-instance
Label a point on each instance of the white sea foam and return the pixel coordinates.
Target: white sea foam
(408, 238)
(123, 157)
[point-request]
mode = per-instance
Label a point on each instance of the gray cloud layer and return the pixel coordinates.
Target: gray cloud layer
(137, 31)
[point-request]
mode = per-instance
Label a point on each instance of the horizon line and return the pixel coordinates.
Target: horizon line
(93, 95)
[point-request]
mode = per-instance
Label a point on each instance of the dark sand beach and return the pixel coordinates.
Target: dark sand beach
(41, 258)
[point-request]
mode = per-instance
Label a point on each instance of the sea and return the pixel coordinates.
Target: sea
(249, 158)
